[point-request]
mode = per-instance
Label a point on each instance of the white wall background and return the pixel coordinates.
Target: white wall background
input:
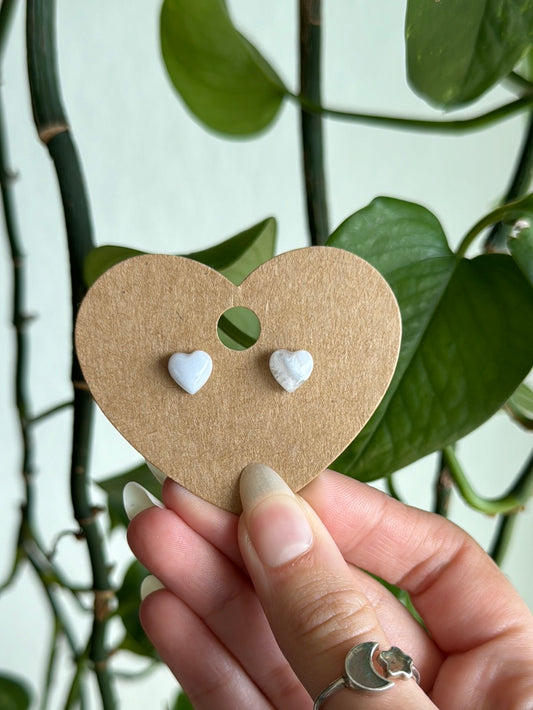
(158, 181)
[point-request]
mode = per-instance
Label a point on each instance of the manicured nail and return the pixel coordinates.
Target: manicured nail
(135, 499)
(159, 475)
(150, 584)
(277, 525)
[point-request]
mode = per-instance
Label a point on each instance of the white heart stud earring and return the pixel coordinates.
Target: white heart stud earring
(290, 368)
(190, 370)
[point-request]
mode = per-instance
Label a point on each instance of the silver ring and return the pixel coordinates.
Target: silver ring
(360, 672)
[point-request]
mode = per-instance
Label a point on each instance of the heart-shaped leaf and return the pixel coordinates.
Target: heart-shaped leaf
(128, 598)
(100, 259)
(14, 693)
(457, 50)
(467, 338)
(238, 256)
(235, 257)
(525, 67)
(520, 406)
(220, 76)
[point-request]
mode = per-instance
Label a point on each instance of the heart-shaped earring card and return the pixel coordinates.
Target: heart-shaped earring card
(321, 300)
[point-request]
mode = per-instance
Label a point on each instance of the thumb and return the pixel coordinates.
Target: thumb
(309, 593)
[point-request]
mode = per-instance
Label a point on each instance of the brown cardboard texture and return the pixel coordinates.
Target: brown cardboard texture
(320, 299)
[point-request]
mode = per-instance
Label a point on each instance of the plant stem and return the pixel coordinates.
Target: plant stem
(19, 317)
(391, 488)
(6, 14)
(49, 412)
(62, 625)
(311, 121)
(460, 125)
(53, 129)
(443, 489)
(76, 691)
(51, 665)
(520, 182)
(506, 211)
(511, 502)
(27, 534)
(518, 81)
(507, 522)
(34, 556)
(502, 538)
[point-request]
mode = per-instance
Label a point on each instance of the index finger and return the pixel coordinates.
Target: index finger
(463, 597)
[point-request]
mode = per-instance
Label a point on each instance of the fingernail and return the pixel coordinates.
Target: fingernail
(135, 499)
(277, 525)
(148, 585)
(159, 475)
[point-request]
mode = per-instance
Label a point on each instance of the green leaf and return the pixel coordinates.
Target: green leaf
(128, 597)
(522, 399)
(467, 339)
(182, 702)
(520, 406)
(235, 257)
(516, 214)
(100, 259)
(14, 693)
(220, 76)
(238, 256)
(114, 485)
(525, 67)
(457, 50)
(520, 245)
(528, 65)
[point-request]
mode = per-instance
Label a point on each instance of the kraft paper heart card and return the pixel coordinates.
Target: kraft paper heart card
(148, 345)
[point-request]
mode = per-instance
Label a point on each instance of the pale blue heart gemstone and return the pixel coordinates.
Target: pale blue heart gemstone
(190, 370)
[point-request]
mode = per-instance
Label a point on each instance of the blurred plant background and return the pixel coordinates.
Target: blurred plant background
(348, 125)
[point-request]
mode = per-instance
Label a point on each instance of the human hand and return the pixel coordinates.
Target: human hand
(260, 612)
